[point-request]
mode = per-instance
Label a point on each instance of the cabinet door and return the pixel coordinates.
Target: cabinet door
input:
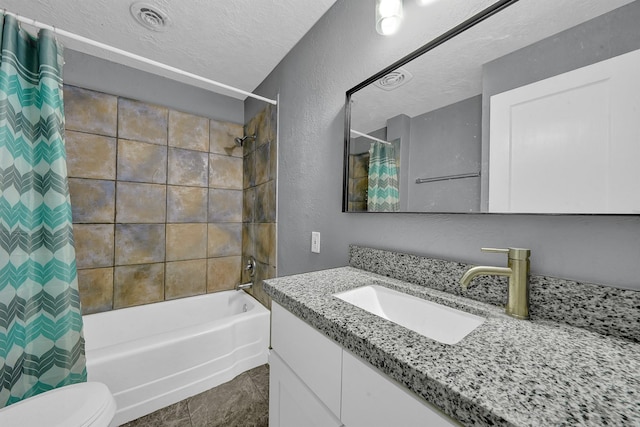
(293, 404)
(313, 357)
(371, 399)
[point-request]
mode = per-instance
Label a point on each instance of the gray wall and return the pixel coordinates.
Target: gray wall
(105, 76)
(601, 38)
(343, 49)
(446, 141)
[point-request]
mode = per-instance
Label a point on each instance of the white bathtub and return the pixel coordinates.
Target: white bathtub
(155, 355)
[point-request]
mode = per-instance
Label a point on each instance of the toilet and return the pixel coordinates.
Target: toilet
(87, 404)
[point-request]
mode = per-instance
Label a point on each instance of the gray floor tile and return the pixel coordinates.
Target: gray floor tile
(176, 415)
(236, 403)
(260, 377)
(241, 402)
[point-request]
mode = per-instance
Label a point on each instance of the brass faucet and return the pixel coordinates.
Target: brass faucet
(518, 273)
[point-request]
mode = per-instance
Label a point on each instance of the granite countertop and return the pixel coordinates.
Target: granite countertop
(506, 372)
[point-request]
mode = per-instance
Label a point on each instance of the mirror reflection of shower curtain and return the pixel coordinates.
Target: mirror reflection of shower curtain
(383, 194)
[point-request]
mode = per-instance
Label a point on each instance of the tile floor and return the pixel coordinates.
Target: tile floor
(241, 402)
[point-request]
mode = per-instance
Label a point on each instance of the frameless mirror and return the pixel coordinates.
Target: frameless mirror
(531, 106)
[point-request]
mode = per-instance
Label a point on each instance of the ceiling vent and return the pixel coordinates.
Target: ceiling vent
(150, 17)
(394, 79)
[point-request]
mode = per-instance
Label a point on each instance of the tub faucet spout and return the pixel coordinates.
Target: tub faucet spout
(518, 273)
(241, 286)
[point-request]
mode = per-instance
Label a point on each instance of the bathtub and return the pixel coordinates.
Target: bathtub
(155, 355)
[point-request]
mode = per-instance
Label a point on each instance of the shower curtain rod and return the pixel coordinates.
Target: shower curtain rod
(82, 39)
(370, 137)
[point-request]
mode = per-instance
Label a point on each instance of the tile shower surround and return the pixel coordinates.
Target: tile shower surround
(156, 198)
(259, 200)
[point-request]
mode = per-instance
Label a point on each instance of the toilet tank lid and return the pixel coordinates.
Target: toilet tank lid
(77, 405)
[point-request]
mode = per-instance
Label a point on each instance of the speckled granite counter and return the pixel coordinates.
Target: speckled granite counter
(506, 372)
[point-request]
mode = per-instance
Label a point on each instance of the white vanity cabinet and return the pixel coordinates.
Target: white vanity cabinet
(315, 382)
(305, 376)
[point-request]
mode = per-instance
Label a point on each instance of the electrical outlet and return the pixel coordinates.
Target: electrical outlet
(315, 242)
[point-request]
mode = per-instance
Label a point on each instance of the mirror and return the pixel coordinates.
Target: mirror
(531, 106)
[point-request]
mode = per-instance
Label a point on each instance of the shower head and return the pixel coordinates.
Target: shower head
(240, 141)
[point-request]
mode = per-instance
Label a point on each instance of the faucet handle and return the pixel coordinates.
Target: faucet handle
(513, 253)
(495, 250)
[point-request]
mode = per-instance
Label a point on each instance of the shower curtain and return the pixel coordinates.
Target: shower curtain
(383, 194)
(41, 341)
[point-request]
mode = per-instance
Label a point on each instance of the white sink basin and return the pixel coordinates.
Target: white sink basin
(438, 322)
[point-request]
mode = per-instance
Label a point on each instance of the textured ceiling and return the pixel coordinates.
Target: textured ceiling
(453, 71)
(235, 42)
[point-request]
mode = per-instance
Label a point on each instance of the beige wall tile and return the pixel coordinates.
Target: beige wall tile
(225, 206)
(90, 111)
(96, 289)
(140, 121)
(248, 204)
(249, 170)
(250, 128)
(90, 156)
(142, 162)
(357, 206)
(248, 240)
(94, 245)
(92, 200)
(273, 160)
(273, 122)
(225, 172)
(138, 284)
(222, 137)
(185, 278)
(264, 133)
(265, 241)
(186, 204)
(359, 165)
(186, 241)
(263, 272)
(188, 131)
(265, 207)
(224, 239)
(262, 164)
(223, 273)
(188, 167)
(141, 203)
(358, 189)
(139, 243)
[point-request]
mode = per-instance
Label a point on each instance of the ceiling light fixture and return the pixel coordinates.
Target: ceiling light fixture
(150, 17)
(388, 16)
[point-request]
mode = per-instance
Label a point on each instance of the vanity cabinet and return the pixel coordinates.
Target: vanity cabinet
(315, 382)
(291, 401)
(305, 377)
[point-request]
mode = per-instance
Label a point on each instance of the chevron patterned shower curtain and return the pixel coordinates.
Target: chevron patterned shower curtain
(383, 194)
(41, 342)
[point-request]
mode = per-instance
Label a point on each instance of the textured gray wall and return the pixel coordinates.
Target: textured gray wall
(101, 75)
(446, 141)
(601, 38)
(343, 49)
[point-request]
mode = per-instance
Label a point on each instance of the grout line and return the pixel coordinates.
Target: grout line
(206, 270)
(166, 217)
(115, 206)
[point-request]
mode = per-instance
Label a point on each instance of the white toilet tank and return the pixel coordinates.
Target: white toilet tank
(79, 405)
